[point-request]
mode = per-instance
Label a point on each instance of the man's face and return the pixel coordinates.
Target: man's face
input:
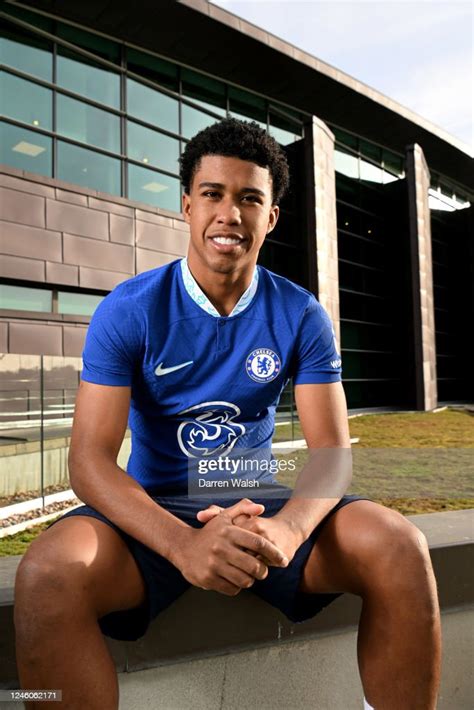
(230, 212)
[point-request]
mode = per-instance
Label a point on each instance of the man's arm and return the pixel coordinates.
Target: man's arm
(322, 412)
(211, 557)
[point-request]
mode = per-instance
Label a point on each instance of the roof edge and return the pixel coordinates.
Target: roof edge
(219, 14)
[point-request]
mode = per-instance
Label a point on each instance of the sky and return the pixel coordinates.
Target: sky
(417, 52)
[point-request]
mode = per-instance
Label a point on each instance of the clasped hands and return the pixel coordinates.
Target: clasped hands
(234, 547)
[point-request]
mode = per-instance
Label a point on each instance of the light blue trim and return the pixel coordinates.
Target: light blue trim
(193, 289)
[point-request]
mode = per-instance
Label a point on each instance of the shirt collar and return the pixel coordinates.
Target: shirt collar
(194, 290)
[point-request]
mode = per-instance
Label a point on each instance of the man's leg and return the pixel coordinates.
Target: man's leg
(376, 553)
(75, 572)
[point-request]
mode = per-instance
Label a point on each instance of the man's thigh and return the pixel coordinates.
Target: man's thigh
(356, 547)
(87, 557)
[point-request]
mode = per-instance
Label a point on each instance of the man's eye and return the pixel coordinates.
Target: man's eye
(252, 198)
(210, 193)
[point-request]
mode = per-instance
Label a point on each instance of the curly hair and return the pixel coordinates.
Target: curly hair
(237, 139)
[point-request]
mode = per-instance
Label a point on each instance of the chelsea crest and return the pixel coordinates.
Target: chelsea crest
(263, 365)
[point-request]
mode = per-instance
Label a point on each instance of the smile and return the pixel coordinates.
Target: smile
(226, 240)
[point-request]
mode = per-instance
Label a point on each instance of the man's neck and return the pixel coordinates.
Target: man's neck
(223, 290)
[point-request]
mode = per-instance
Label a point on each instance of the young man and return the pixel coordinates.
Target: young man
(199, 351)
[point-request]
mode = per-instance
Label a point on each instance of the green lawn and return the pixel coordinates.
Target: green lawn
(414, 463)
(17, 544)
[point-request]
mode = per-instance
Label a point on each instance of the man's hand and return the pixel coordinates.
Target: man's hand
(222, 556)
(276, 530)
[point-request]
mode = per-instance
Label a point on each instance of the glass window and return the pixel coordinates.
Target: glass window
(370, 172)
(393, 164)
(153, 188)
(247, 106)
(43, 23)
(194, 121)
(26, 299)
(347, 189)
(369, 150)
(102, 47)
(88, 124)
(152, 106)
(78, 74)
(26, 101)
(26, 52)
(284, 130)
(345, 138)
(152, 147)
(25, 150)
(88, 168)
(153, 68)
(81, 304)
(346, 163)
(208, 93)
(348, 219)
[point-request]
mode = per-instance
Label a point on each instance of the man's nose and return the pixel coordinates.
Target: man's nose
(228, 212)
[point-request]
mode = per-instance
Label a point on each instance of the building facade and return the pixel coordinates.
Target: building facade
(99, 102)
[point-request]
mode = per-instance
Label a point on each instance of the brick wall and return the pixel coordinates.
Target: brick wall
(63, 235)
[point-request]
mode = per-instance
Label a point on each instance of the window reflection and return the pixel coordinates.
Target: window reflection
(83, 77)
(370, 172)
(205, 91)
(195, 121)
(284, 130)
(25, 101)
(102, 47)
(153, 187)
(153, 68)
(83, 304)
(247, 106)
(88, 124)
(88, 168)
(25, 150)
(26, 299)
(152, 147)
(152, 106)
(26, 53)
(346, 163)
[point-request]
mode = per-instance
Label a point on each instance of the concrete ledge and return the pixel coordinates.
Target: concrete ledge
(260, 646)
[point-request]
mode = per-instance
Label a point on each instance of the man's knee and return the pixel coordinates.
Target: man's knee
(397, 554)
(48, 595)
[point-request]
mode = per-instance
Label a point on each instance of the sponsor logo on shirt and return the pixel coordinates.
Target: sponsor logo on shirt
(336, 363)
(263, 365)
(209, 429)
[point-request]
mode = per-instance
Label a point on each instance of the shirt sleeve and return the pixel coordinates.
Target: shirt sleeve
(113, 342)
(316, 360)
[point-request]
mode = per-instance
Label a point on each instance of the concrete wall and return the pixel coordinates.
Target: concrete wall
(20, 465)
(325, 220)
(59, 235)
(319, 673)
(418, 177)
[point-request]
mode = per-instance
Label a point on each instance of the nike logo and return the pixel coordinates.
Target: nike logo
(160, 370)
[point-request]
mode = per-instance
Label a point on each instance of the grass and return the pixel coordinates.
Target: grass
(18, 544)
(433, 471)
(445, 429)
(412, 462)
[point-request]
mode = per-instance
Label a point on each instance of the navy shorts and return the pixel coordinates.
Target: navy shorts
(164, 582)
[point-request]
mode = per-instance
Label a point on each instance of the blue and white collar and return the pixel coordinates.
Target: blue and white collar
(202, 300)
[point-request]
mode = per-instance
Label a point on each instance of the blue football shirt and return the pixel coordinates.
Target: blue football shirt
(202, 383)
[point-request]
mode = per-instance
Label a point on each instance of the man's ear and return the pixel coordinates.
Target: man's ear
(273, 218)
(186, 207)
